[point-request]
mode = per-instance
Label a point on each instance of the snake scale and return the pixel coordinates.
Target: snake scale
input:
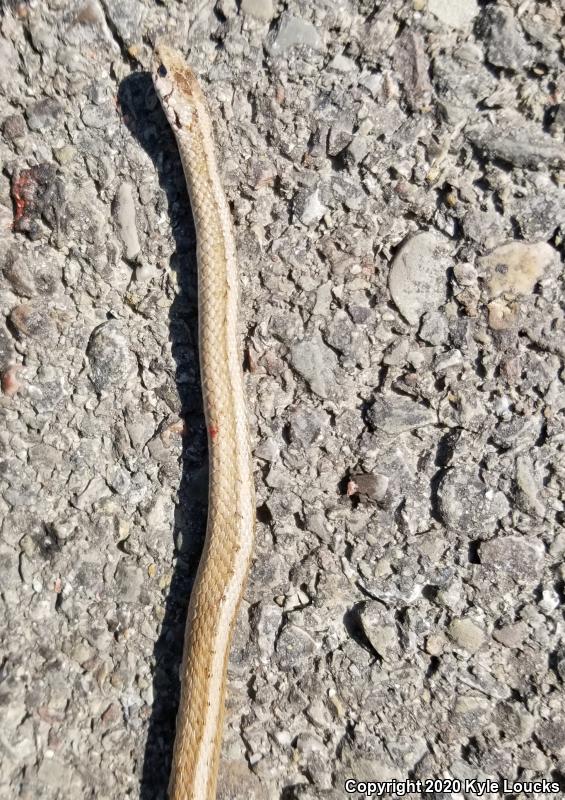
(227, 551)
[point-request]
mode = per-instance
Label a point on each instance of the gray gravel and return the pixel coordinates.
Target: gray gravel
(395, 172)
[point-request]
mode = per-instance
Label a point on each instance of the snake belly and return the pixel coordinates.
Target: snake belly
(223, 568)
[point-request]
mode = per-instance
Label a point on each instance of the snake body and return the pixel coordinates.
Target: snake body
(227, 551)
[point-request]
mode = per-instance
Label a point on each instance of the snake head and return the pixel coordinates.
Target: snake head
(176, 85)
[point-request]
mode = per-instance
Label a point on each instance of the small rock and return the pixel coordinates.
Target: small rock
(418, 277)
(260, 9)
(124, 210)
(457, 15)
(434, 328)
(528, 487)
(339, 138)
(511, 138)
(484, 226)
(316, 363)
(465, 502)
(515, 268)
(466, 634)
(308, 207)
(18, 273)
(505, 43)
(502, 316)
(129, 582)
(341, 63)
(396, 414)
(560, 662)
(99, 116)
(470, 712)
(294, 648)
(126, 17)
(33, 273)
(306, 426)
(368, 486)
(541, 211)
(461, 81)
(551, 735)
(557, 547)
(518, 557)
(14, 127)
(550, 600)
(465, 274)
(395, 354)
(412, 66)
(267, 618)
(348, 192)
(110, 358)
(65, 154)
(291, 32)
(558, 122)
(38, 195)
(511, 635)
(435, 644)
(9, 382)
(514, 721)
(379, 626)
(96, 490)
(267, 450)
(449, 596)
(31, 319)
(43, 114)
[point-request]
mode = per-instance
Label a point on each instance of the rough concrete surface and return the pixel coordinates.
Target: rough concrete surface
(395, 171)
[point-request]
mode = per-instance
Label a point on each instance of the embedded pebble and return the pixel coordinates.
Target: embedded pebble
(126, 17)
(418, 276)
(511, 635)
(292, 31)
(43, 114)
(260, 9)
(518, 142)
(466, 503)
(518, 557)
(308, 207)
(129, 582)
(395, 414)
(31, 319)
(434, 328)
(466, 634)
(516, 268)
(506, 45)
(458, 15)
(306, 426)
(528, 487)
(316, 363)
(111, 361)
(9, 381)
(341, 63)
(295, 648)
(14, 127)
(379, 626)
(124, 209)
(368, 486)
(412, 64)
(502, 316)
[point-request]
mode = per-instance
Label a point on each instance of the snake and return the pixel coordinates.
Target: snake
(222, 571)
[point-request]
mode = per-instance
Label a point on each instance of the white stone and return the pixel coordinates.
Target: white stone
(418, 276)
(455, 13)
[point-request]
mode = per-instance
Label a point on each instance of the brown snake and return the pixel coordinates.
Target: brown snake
(231, 501)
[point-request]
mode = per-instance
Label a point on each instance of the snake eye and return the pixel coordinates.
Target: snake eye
(162, 71)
